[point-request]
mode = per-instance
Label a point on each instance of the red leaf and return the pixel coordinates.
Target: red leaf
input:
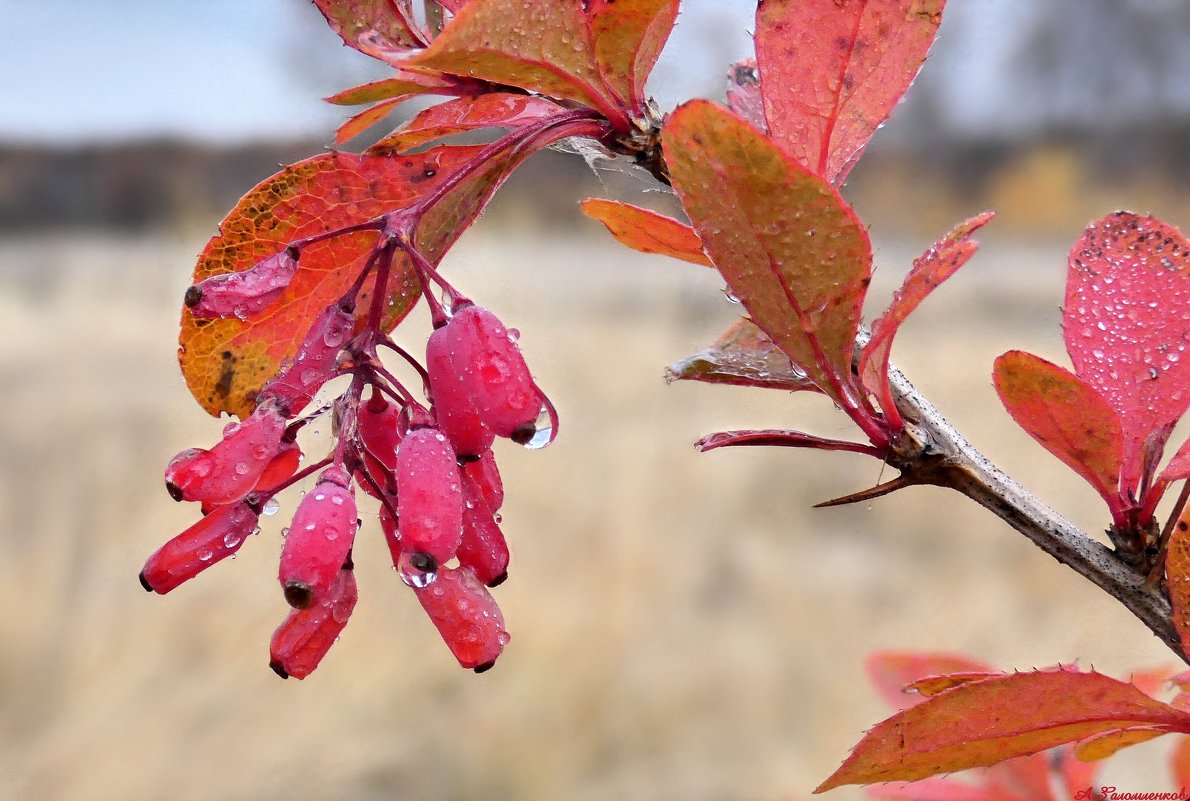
(743, 92)
(628, 36)
(383, 29)
(647, 231)
(1177, 577)
(495, 109)
(226, 361)
(744, 356)
(403, 85)
(357, 124)
(939, 789)
(892, 671)
(831, 72)
(1065, 415)
(1179, 466)
(540, 45)
(789, 247)
(929, 270)
(1127, 325)
(1179, 763)
(984, 722)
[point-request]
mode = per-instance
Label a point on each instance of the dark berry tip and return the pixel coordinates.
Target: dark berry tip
(523, 434)
(424, 562)
(279, 669)
(144, 582)
(174, 490)
(498, 580)
(299, 595)
(467, 458)
(485, 667)
(192, 297)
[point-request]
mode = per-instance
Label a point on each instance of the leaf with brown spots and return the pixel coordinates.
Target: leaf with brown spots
(226, 361)
(1127, 327)
(831, 72)
(647, 231)
(987, 721)
(1177, 577)
(628, 36)
(383, 29)
(789, 247)
(495, 109)
(541, 45)
(1065, 415)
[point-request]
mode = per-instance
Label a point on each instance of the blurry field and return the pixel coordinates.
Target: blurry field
(684, 626)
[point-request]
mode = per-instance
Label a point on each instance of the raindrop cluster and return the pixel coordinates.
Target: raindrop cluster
(430, 464)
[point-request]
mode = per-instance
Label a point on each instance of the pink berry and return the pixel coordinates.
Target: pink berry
(495, 373)
(319, 540)
(245, 293)
(483, 548)
(315, 362)
(232, 468)
(487, 476)
(466, 616)
(429, 495)
(301, 642)
(279, 470)
(380, 435)
(210, 540)
(453, 402)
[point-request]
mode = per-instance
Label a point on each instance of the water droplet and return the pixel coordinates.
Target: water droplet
(731, 296)
(285, 532)
(544, 433)
(205, 555)
(514, 335)
(319, 496)
(231, 540)
(337, 500)
(270, 507)
(241, 468)
(411, 574)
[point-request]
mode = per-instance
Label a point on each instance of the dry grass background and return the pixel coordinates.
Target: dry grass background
(684, 626)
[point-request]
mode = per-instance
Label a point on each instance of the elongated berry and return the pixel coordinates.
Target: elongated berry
(429, 495)
(487, 476)
(315, 361)
(304, 638)
(380, 435)
(232, 468)
(467, 617)
(501, 386)
(279, 470)
(453, 400)
(319, 539)
(483, 548)
(210, 540)
(245, 293)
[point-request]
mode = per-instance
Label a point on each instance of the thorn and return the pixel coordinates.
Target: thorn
(888, 487)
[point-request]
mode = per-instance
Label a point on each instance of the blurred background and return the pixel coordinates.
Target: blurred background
(683, 626)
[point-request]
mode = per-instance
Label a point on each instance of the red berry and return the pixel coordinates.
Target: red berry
(301, 642)
(245, 293)
(483, 548)
(501, 386)
(279, 470)
(210, 540)
(232, 468)
(453, 403)
(380, 435)
(316, 360)
(429, 495)
(487, 476)
(319, 540)
(466, 616)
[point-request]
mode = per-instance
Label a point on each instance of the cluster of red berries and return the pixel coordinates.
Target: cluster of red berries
(431, 468)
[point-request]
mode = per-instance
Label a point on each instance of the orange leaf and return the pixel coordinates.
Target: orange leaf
(226, 361)
(985, 722)
(892, 671)
(1177, 579)
(1179, 762)
(402, 85)
(495, 109)
(789, 247)
(628, 37)
(383, 29)
(831, 72)
(1069, 418)
(647, 231)
(540, 45)
(361, 122)
(744, 356)
(1094, 749)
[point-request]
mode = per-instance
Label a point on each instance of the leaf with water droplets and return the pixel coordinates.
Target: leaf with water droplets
(831, 72)
(743, 92)
(929, 270)
(541, 45)
(1177, 577)
(744, 356)
(789, 247)
(647, 231)
(1065, 415)
(495, 109)
(1127, 326)
(226, 361)
(628, 36)
(987, 721)
(383, 29)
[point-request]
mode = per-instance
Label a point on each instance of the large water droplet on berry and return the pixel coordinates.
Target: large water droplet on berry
(270, 507)
(411, 569)
(544, 430)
